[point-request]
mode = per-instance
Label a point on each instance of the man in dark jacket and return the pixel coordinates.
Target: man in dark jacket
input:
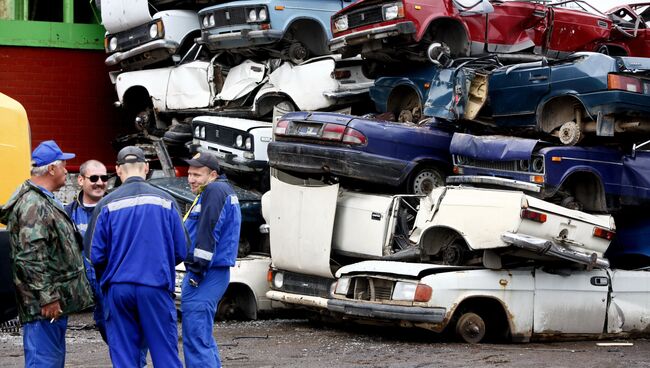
(136, 238)
(213, 223)
(47, 266)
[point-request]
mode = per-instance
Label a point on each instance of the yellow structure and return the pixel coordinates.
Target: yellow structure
(15, 146)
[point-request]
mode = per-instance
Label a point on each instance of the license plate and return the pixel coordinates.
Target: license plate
(308, 130)
(219, 154)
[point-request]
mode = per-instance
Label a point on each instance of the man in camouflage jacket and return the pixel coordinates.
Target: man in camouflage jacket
(47, 266)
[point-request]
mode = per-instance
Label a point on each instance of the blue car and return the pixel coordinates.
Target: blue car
(413, 157)
(585, 93)
(293, 30)
(592, 179)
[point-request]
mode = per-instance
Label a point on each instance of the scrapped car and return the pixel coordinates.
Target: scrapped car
(135, 38)
(631, 34)
(586, 93)
(476, 305)
(293, 30)
(594, 179)
(239, 144)
(246, 293)
(413, 157)
(154, 98)
(394, 30)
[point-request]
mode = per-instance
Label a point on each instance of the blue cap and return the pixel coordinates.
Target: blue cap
(48, 152)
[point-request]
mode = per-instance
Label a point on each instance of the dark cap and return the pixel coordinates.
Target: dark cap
(130, 154)
(48, 152)
(206, 159)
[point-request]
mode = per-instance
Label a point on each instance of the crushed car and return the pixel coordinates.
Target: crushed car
(631, 34)
(414, 158)
(476, 305)
(136, 38)
(293, 31)
(585, 94)
(594, 179)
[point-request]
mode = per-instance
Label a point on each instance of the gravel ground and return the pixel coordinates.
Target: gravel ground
(299, 343)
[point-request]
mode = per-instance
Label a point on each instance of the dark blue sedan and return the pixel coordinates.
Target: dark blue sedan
(414, 157)
(585, 93)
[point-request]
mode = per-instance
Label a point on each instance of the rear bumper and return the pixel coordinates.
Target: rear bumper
(340, 161)
(351, 39)
(387, 312)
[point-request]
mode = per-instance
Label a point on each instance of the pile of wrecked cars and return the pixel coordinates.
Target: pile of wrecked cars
(458, 166)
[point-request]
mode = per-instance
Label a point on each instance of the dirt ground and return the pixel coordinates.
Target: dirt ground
(285, 342)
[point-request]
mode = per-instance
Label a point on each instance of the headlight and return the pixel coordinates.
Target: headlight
(278, 280)
(239, 141)
(197, 131)
(206, 22)
(342, 286)
(341, 23)
(112, 44)
(393, 11)
(202, 132)
(252, 15)
(262, 15)
(538, 164)
(153, 30)
(249, 143)
(211, 22)
(404, 291)
(523, 165)
(460, 160)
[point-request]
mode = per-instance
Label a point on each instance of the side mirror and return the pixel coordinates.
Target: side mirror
(439, 54)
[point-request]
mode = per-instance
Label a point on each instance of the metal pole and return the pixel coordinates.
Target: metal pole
(68, 11)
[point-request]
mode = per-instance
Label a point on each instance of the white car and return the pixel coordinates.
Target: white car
(523, 304)
(136, 38)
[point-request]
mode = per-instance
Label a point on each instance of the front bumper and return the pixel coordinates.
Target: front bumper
(387, 312)
(546, 247)
(356, 38)
(235, 161)
(297, 299)
(240, 39)
(340, 161)
(493, 180)
(164, 47)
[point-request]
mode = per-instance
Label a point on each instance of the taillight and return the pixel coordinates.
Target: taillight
(341, 74)
(353, 136)
(333, 132)
(599, 232)
(533, 216)
(281, 127)
(625, 83)
(422, 293)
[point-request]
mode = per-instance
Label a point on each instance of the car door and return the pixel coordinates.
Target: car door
(630, 302)
(514, 26)
(188, 86)
(635, 181)
(570, 301)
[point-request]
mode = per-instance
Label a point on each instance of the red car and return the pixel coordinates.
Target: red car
(389, 30)
(631, 33)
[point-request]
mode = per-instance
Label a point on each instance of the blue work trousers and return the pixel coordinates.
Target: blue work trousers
(138, 314)
(44, 343)
(199, 305)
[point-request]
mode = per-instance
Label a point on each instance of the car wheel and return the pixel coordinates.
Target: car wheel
(425, 179)
(570, 133)
(470, 328)
(297, 53)
(227, 308)
(455, 254)
(572, 203)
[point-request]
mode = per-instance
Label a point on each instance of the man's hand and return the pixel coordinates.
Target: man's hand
(51, 311)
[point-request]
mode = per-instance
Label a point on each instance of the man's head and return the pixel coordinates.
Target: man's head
(204, 169)
(48, 166)
(131, 162)
(92, 180)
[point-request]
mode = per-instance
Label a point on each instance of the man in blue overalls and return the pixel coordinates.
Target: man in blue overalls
(136, 238)
(213, 224)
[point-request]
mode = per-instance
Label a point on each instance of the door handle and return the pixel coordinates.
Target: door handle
(599, 281)
(538, 77)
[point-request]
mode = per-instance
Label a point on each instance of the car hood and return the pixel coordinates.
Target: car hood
(120, 15)
(492, 148)
(398, 268)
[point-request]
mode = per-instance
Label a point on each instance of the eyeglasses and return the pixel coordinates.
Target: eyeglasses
(94, 178)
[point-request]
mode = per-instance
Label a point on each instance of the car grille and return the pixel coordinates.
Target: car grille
(133, 37)
(493, 165)
(365, 16)
(230, 17)
(371, 289)
(221, 135)
(306, 284)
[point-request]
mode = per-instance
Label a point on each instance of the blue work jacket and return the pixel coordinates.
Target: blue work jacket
(79, 213)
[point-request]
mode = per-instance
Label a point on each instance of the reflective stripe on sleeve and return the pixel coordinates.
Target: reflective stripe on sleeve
(203, 254)
(139, 201)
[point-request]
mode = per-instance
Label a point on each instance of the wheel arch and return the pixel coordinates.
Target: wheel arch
(557, 110)
(313, 34)
(245, 298)
(137, 97)
(454, 34)
(613, 49)
(400, 93)
(585, 181)
(493, 311)
(435, 237)
(265, 102)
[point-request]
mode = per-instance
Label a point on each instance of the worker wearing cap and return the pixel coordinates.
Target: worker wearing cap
(213, 223)
(136, 238)
(47, 266)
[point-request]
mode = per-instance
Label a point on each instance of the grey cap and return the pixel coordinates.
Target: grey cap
(130, 154)
(207, 159)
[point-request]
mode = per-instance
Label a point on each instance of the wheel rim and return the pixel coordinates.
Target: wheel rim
(426, 181)
(452, 255)
(570, 133)
(471, 328)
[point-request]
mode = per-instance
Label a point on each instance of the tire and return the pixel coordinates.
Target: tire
(455, 254)
(424, 179)
(297, 53)
(227, 308)
(470, 328)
